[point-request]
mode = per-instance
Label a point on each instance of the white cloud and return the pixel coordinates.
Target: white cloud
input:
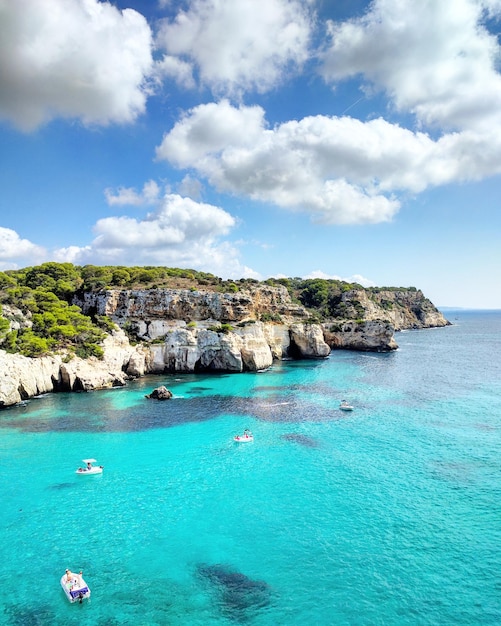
(190, 187)
(180, 233)
(354, 278)
(238, 45)
(178, 221)
(74, 254)
(72, 58)
(178, 70)
(299, 165)
(128, 195)
(14, 250)
(434, 59)
(339, 169)
(493, 7)
(208, 129)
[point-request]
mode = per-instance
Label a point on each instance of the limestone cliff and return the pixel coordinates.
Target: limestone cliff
(22, 377)
(150, 310)
(189, 330)
(193, 330)
(403, 308)
(366, 336)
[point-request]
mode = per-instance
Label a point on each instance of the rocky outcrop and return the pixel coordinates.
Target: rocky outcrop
(256, 352)
(17, 319)
(197, 348)
(195, 331)
(120, 362)
(190, 331)
(245, 348)
(22, 377)
(402, 308)
(307, 341)
(160, 393)
(148, 311)
(367, 336)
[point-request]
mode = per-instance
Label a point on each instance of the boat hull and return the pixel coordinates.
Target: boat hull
(76, 590)
(84, 471)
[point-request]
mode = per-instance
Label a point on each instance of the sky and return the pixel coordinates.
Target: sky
(257, 138)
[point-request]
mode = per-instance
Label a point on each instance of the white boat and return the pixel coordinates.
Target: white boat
(89, 467)
(345, 406)
(74, 586)
(246, 437)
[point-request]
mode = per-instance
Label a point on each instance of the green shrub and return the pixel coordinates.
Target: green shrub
(270, 317)
(224, 328)
(84, 351)
(105, 323)
(28, 344)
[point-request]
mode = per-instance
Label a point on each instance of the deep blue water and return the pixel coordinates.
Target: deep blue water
(389, 515)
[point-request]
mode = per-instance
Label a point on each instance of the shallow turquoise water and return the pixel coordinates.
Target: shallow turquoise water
(388, 515)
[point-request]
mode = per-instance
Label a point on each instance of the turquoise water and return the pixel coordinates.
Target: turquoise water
(387, 515)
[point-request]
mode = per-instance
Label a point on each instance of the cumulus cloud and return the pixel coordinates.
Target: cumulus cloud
(354, 278)
(434, 59)
(208, 129)
(178, 221)
(288, 166)
(72, 58)
(339, 169)
(237, 45)
(14, 250)
(128, 195)
(179, 232)
(178, 70)
(190, 187)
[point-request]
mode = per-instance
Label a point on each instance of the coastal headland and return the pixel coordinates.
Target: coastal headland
(193, 324)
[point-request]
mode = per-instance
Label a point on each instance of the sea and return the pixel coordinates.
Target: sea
(386, 515)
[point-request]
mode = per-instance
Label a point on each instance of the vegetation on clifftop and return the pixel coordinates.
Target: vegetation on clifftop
(39, 300)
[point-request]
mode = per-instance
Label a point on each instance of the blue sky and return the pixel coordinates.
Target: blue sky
(257, 138)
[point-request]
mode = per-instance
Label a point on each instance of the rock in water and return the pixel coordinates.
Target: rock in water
(160, 393)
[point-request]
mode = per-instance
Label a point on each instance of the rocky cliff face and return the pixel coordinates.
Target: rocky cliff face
(404, 308)
(190, 331)
(206, 330)
(149, 308)
(251, 347)
(22, 377)
(366, 336)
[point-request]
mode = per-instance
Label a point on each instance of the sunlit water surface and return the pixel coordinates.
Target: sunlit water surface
(388, 515)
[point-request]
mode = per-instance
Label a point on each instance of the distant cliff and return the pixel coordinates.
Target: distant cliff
(244, 328)
(145, 311)
(195, 330)
(404, 308)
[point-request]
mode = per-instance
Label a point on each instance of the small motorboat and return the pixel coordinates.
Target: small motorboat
(89, 467)
(74, 586)
(246, 437)
(345, 406)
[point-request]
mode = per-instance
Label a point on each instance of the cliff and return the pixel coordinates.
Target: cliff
(146, 309)
(404, 309)
(22, 377)
(190, 330)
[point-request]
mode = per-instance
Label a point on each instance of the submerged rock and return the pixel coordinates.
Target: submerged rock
(238, 592)
(303, 440)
